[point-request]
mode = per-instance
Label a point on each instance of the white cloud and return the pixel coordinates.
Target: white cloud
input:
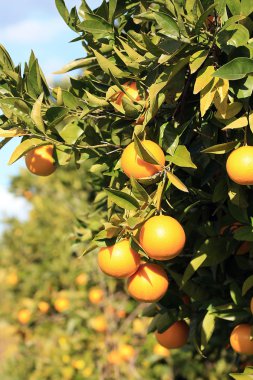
(32, 31)
(12, 206)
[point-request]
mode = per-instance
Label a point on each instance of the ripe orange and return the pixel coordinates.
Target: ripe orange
(127, 352)
(240, 165)
(114, 357)
(99, 324)
(119, 260)
(161, 351)
(175, 336)
(121, 313)
(148, 284)
(40, 160)
(96, 295)
(43, 307)
(162, 237)
(81, 279)
(24, 316)
(12, 279)
(61, 304)
(240, 339)
(131, 89)
(133, 166)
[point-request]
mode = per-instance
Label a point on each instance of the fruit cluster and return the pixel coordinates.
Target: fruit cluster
(161, 237)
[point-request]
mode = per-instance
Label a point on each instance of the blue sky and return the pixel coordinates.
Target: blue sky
(26, 25)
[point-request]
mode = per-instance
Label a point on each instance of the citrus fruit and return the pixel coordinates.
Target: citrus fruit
(133, 166)
(61, 304)
(114, 357)
(99, 324)
(149, 283)
(127, 352)
(131, 89)
(240, 339)
(96, 295)
(175, 336)
(240, 165)
(119, 260)
(40, 160)
(43, 307)
(24, 316)
(162, 237)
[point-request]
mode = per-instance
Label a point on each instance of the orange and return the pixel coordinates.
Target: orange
(161, 351)
(131, 89)
(81, 279)
(243, 249)
(61, 304)
(114, 357)
(96, 295)
(99, 324)
(240, 339)
(240, 165)
(12, 279)
(175, 336)
(24, 316)
(121, 313)
(133, 166)
(40, 160)
(186, 299)
(127, 352)
(148, 284)
(119, 260)
(162, 237)
(43, 307)
(251, 305)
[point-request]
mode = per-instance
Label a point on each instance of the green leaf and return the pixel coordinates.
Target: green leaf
(5, 58)
(107, 66)
(122, 199)
(244, 233)
(112, 10)
(95, 101)
(143, 153)
(197, 59)
(36, 115)
(176, 182)
(24, 147)
(215, 249)
(221, 148)
(167, 24)
(182, 158)
(17, 107)
(236, 69)
(207, 329)
(76, 64)
(62, 9)
(96, 25)
(71, 132)
(192, 267)
(138, 191)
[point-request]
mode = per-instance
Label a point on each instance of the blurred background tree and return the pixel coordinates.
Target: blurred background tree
(60, 318)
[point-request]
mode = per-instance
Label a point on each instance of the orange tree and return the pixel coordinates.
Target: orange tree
(167, 86)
